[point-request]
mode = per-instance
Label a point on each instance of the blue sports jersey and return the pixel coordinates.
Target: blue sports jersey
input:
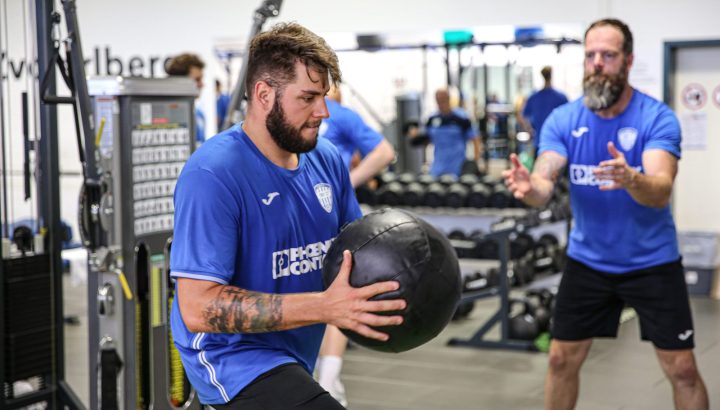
(449, 135)
(539, 105)
(611, 232)
(242, 220)
(348, 132)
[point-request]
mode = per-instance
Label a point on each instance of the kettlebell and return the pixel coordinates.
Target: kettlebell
(541, 307)
(522, 326)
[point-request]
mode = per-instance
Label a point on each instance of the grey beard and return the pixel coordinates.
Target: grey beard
(603, 91)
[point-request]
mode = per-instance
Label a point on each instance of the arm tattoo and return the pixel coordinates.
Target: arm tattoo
(549, 166)
(241, 311)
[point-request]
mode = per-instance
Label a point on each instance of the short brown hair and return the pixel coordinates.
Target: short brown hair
(546, 73)
(180, 64)
(273, 55)
(627, 46)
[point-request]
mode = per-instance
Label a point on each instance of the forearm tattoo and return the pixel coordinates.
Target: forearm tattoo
(549, 166)
(242, 311)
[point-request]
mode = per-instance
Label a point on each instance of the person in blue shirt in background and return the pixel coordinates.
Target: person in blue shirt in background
(350, 134)
(449, 130)
(621, 150)
(539, 105)
(222, 103)
(191, 65)
(256, 209)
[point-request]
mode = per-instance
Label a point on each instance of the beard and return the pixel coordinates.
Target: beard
(603, 90)
(286, 136)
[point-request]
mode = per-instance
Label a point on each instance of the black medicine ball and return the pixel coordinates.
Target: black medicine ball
(392, 244)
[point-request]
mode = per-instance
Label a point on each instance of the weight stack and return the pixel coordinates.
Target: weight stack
(27, 307)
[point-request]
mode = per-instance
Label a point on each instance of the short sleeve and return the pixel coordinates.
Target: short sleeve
(206, 228)
(551, 136)
(364, 138)
(527, 109)
(665, 133)
(351, 209)
(468, 129)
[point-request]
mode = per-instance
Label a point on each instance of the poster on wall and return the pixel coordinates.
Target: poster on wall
(694, 130)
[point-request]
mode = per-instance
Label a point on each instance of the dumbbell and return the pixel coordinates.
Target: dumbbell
(447, 179)
(488, 249)
(548, 255)
(465, 248)
(490, 181)
(425, 179)
(365, 195)
(386, 178)
(544, 215)
(413, 194)
(524, 269)
(390, 194)
(475, 281)
(492, 276)
(476, 234)
(406, 178)
(434, 195)
(468, 180)
(522, 325)
(500, 197)
(542, 301)
(531, 219)
(463, 309)
(521, 244)
(560, 209)
(478, 196)
(456, 195)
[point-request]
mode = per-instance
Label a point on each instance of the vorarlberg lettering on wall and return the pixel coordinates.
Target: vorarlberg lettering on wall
(101, 61)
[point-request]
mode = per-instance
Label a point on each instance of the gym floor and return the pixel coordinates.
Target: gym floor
(618, 374)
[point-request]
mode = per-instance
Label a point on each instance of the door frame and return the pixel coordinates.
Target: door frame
(670, 49)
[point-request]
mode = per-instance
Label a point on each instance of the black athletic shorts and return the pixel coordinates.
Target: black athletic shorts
(589, 304)
(288, 386)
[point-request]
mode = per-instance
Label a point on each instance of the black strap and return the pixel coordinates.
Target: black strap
(110, 365)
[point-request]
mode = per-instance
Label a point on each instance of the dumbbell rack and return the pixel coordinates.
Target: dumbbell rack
(487, 219)
(500, 233)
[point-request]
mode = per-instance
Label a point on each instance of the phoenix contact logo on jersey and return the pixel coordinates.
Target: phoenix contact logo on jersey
(300, 260)
(583, 175)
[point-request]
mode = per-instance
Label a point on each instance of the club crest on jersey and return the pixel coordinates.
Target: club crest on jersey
(627, 137)
(324, 195)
